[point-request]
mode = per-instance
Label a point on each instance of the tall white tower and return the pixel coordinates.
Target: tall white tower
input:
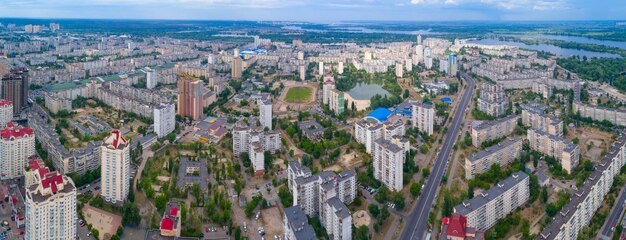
(115, 167)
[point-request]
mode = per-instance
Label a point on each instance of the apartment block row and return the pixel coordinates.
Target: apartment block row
(533, 116)
(587, 199)
(615, 116)
(564, 150)
(483, 211)
(79, 160)
(255, 141)
(325, 195)
(485, 131)
(503, 154)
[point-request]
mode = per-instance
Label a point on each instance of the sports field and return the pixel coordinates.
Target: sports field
(298, 94)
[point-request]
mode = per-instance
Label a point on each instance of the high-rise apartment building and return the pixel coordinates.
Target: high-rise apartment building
(367, 132)
(560, 148)
(236, 68)
(297, 225)
(244, 136)
(388, 161)
(164, 119)
(336, 101)
(399, 70)
(588, 198)
(533, 115)
(484, 210)
(485, 131)
(328, 85)
(492, 100)
(190, 97)
(6, 112)
(265, 113)
(14, 87)
(336, 219)
(453, 64)
(310, 192)
(49, 204)
(152, 78)
(503, 154)
(17, 143)
(423, 117)
(320, 69)
(115, 167)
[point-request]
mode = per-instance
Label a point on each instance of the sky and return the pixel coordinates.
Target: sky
(326, 11)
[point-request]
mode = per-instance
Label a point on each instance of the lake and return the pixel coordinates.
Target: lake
(558, 51)
(367, 91)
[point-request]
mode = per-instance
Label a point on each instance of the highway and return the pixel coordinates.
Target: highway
(417, 223)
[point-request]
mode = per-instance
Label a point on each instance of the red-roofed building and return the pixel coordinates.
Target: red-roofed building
(17, 143)
(6, 112)
(170, 223)
(455, 228)
(50, 196)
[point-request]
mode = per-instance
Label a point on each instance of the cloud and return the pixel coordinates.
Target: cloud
(502, 4)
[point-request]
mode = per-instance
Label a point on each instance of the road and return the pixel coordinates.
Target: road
(417, 222)
(616, 212)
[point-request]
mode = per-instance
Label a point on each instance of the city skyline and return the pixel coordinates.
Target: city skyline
(318, 11)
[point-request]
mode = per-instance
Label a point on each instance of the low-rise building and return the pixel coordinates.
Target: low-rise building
(455, 228)
(170, 223)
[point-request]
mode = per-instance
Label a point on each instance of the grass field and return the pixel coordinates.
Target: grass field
(298, 94)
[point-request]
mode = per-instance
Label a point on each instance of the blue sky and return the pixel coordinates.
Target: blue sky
(319, 10)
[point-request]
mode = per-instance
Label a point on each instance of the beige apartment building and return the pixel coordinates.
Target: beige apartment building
(560, 148)
(503, 154)
(485, 131)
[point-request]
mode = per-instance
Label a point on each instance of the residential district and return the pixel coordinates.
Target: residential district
(145, 137)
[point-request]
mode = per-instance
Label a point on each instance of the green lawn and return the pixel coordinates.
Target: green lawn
(298, 94)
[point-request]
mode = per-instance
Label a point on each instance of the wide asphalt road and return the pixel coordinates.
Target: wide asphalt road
(417, 222)
(618, 208)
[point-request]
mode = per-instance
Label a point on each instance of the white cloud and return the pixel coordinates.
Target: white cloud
(503, 4)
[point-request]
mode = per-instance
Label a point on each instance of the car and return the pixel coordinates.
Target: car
(206, 229)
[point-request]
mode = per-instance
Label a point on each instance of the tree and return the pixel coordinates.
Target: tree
(544, 194)
(373, 209)
(415, 189)
(237, 233)
(406, 93)
(361, 233)
(160, 202)
(130, 214)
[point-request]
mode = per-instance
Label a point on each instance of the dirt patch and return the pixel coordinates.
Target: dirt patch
(106, 222)
(361, 218)
(272, 221)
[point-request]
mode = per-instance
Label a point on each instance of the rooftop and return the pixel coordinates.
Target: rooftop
(576, 199)
(487, 196)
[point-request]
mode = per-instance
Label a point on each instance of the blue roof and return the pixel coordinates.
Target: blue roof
(380, 114)
(446, 99)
